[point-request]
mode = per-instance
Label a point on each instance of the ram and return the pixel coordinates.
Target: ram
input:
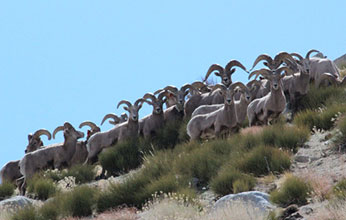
(10, 172)
(216, 121)
(270, 106)
(319, 66)
(215, 97)
(240, 105)
(56, 156)
(127, 129)
(296, 85)
(176, 112)
(150, 124)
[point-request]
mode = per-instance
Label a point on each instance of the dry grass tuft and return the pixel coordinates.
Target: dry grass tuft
(336, 211)
(118, 214)
(252, 130)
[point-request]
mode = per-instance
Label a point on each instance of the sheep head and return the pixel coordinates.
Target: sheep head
(132, 109)
(93, 128)
(274, 76)
(157, 103)
(304, 63)
(224, 73)
(180, 94)
(70, 133)
(35, 141)
(228, 92)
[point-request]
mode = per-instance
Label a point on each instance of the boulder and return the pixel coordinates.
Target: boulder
(15, 202)
(257, 199)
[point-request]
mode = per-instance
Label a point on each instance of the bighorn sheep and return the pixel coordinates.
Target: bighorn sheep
(176, 112)
(218, 120)
(327, 77)
(151, 123)
(119, 133)
(215, 97)
(58, 155)
(318, 66)
(240, 105)
(270, 106)
(224, 73)
(81, 153)
(296, 85)
(10, 171)
(116, 119)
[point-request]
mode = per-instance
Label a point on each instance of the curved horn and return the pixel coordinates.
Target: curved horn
(265, 57)
(252, 82)
(92, 125)
(188, 86)
(60, 128)
(281, 57)
(140, 100)
(149, 96)
(238, 84)
(124, 102)
(40, 132)
(171, 88)
(218, 86)
(112, 116)
(212, 68)
(309, 53)
(161, 95)
(198, 84)
(233, 63)
(264, 72)
(284, 68)
(158, 91)
(297, 55)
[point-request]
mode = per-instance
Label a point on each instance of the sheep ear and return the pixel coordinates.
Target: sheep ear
(265, 63)
(30, 137)
(126, 108)
(232, 71)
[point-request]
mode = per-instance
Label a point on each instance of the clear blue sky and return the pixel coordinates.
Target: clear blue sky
(74, 60)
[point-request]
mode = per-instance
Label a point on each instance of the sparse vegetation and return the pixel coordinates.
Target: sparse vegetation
(264, 160)
(230, 180)
(80, 201)
(293, 191)
(41, 187)
(339, 189)
(321, 120)
(27, 213)
(6, 190)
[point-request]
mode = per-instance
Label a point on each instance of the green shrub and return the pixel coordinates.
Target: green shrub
(27, 213)
(79, 201)
(318, 97)
(263, 160)
(50, 210)
(6, 190)
(55, 175)
(157, 164)
(121, 158)
(82, 173)
(320, 120)
(201, 163)
(168, 136)
(165, 184)
(339, 190)
(283, 136)
(41, 187)
(293, 191)
(230, 180)
(128, 192)
(342, 128)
